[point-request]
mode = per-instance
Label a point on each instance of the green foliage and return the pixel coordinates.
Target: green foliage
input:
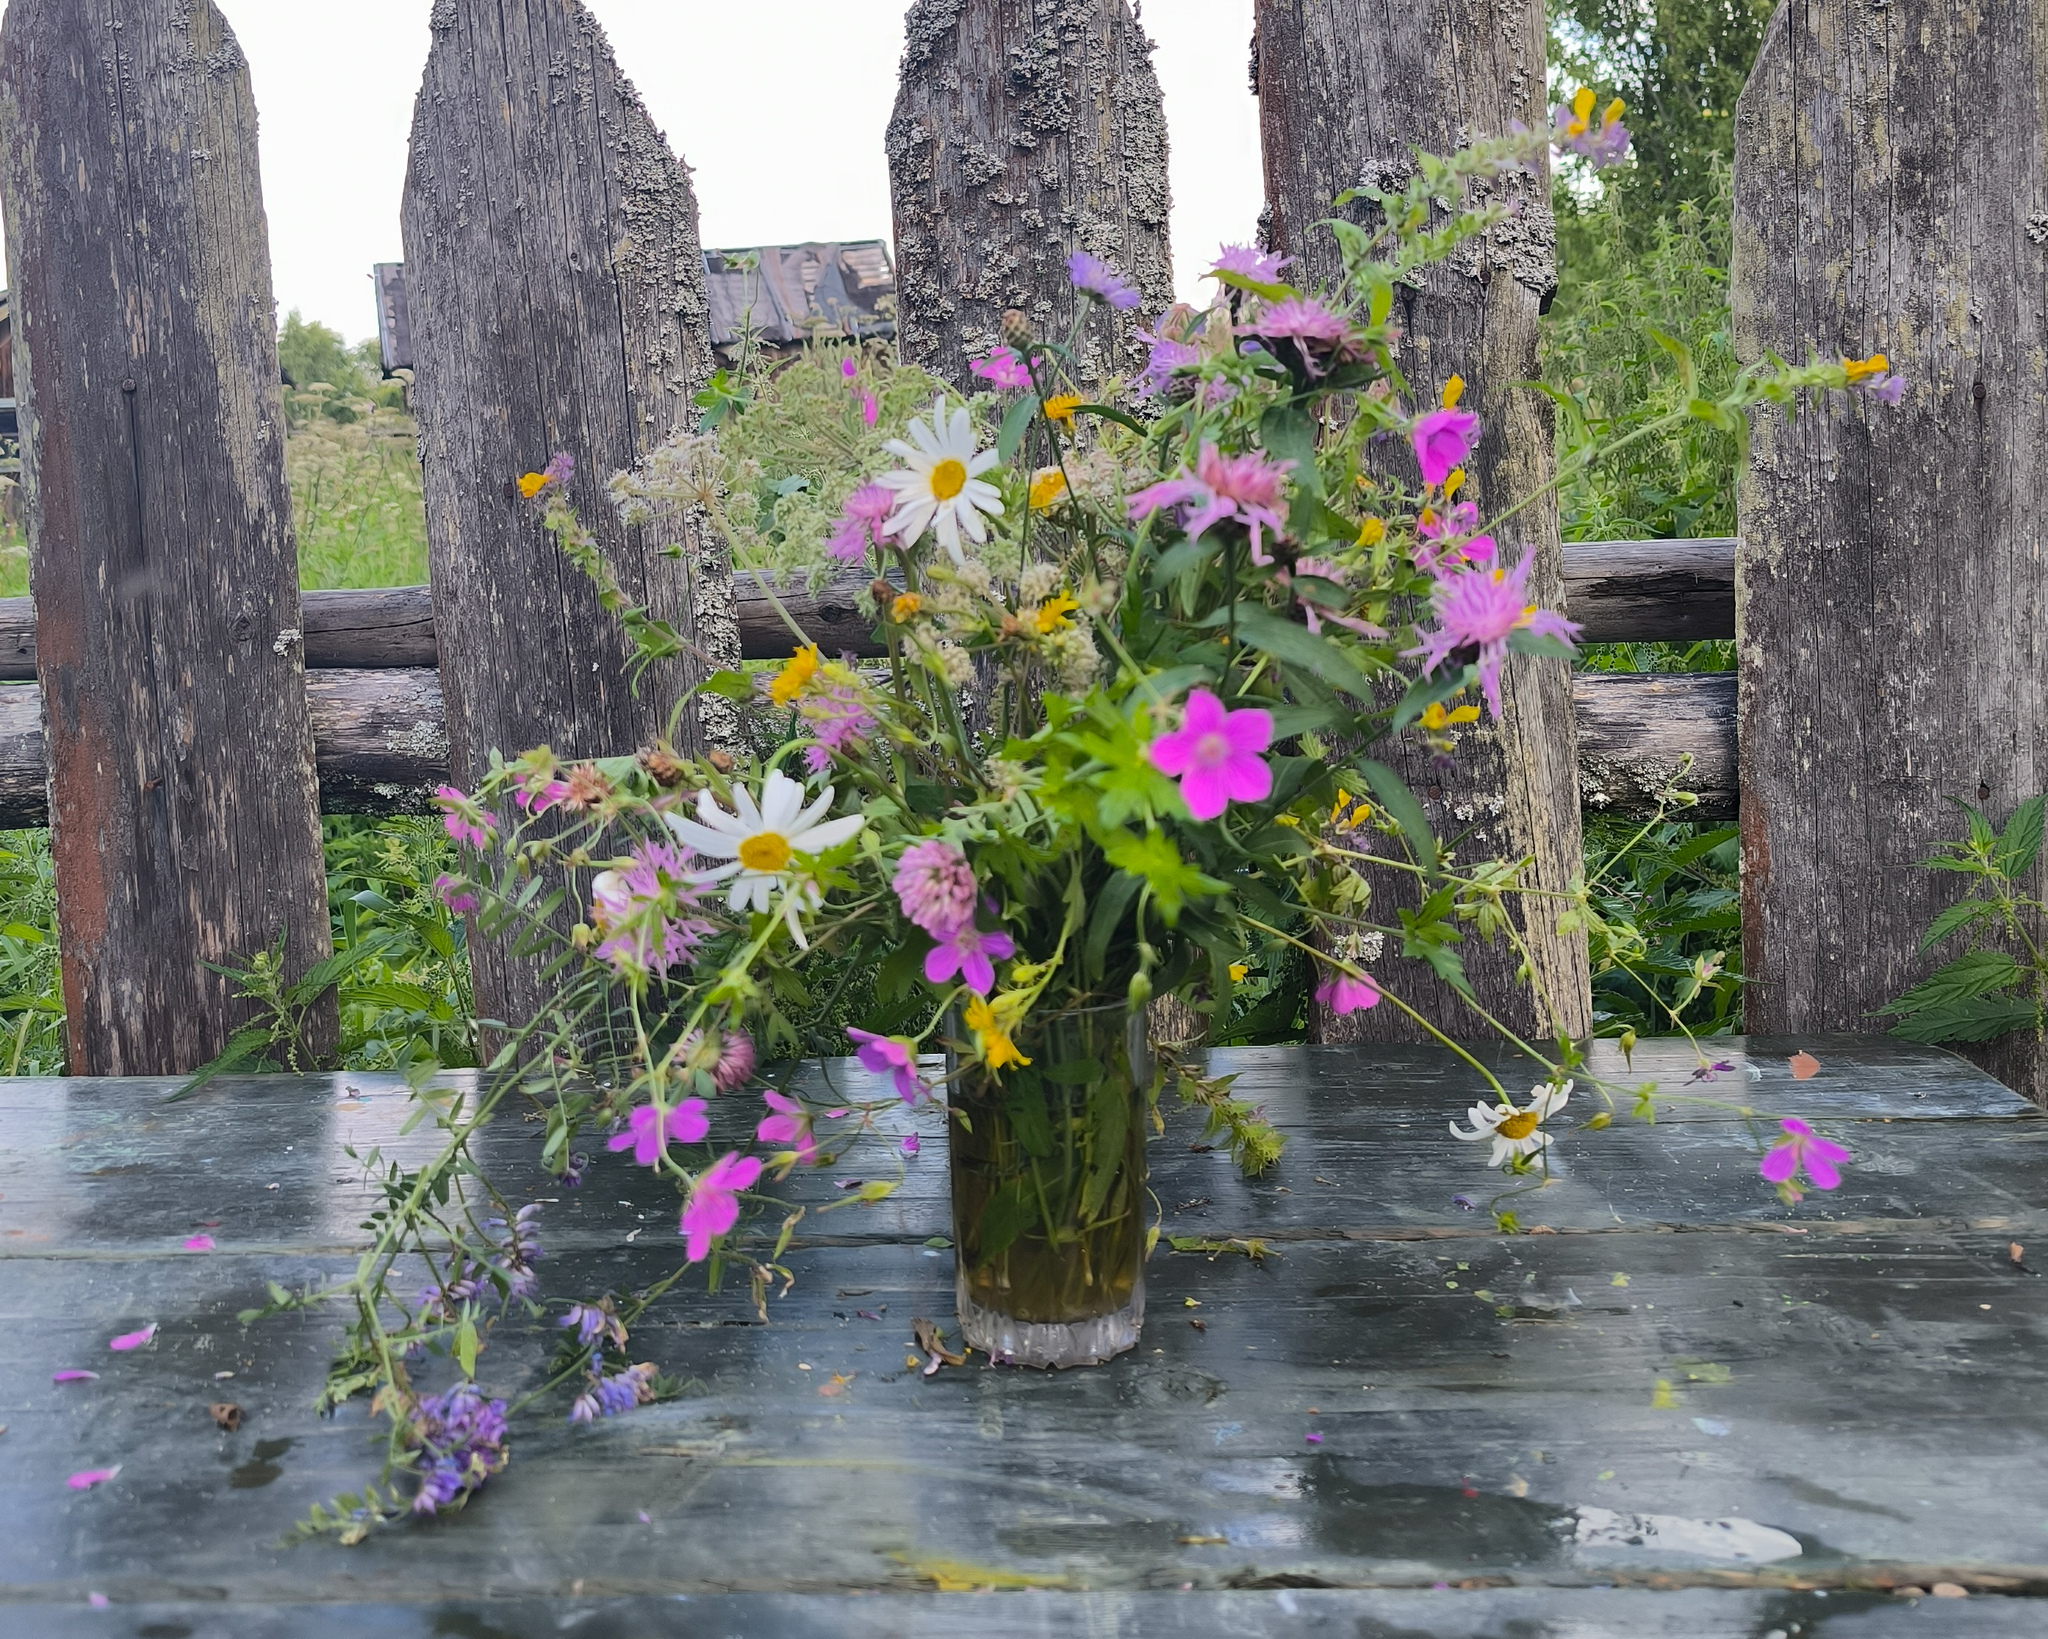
(1665, 945)
(356, 500)
(31, 993)
(310, 352)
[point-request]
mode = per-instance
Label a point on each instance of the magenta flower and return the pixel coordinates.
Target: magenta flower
(891, 1056)
(1321, 335)
(1249, 262)
(1246, 489)
(539, 797)
(1095, 277)
(735, 1066)
(1216, 755)
(935, 885)
(197, 1243)
(860, 523)
(849, 368)
(789, 1125)
(870, 409)
(648, 1131)
(133, 1340)
(714, 1203)
(839, 720)
(86, 1478)
(1802, 1149)
(454, 893)
(465, 821)
(1442, 440)
(1343, 994)
(1481, 609)
(910, 1144)
(967, 951)
(1004, 370)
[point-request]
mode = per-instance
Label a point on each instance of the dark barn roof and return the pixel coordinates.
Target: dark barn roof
(788, 293)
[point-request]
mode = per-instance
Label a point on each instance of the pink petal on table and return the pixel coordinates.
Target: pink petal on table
(1313, 1439)
(98, 1601)
(74, 1377)
(86, 1478)
(199, 1243)
(132, 1340)
(910, 1144)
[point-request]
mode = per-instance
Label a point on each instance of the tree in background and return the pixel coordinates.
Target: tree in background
(308, 352)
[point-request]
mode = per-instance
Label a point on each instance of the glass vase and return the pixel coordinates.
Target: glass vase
(1048, 1169)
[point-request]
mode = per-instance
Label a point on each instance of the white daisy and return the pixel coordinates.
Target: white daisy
(763, 844)
(1514, 1132)
(942, 489)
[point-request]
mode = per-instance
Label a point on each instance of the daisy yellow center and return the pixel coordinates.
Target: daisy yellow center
(766, 852)
(1519, 1125)
(949, 478)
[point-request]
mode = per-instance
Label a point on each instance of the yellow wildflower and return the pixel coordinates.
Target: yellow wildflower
(1371, 532)
(906, 605)
(1582, 112)
(1454, 483)
(790, 681)
(532, 484)
(1061, 407)
(997, 1050)
(1048, 488)
(1454, 389)
(1615, 110)
(1436, 719)
(1859, 369)
(1238, 970)
(1055, 613)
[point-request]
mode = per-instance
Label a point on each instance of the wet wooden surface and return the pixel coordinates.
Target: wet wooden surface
(1858, 1383)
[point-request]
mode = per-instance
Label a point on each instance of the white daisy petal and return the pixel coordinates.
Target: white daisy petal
(781, 797)
(810, 816)
(702, 839)
(823, 837)
(981, 463)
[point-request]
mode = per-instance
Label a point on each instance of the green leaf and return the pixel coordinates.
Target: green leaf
(1015, 425)
(1393, 795)
(1983, 1018)
(1024, 1104)
(2021, 840)
(1543, 645)
(1959, 915)
(1003, 1220)
(1109, 1122)
(1153, 856)
(465, 1346)
(1267, 632)
(729, 686)
(1290, 433)
(1973, 974)
(1109, 414)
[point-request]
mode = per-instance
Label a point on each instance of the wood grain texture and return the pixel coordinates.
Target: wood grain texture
(186, 826)
(557, 300)
(1643, 733)
(1024, 130)
(1893, 584)
(1651, 591)
(1348, 89)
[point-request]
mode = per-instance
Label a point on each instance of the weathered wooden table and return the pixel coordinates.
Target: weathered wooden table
(1400, 1423)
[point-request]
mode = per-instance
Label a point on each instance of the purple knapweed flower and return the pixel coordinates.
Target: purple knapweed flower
(788, 1123)
(1167, 355)
(971, 952)
(1095, 277)
(614, 1394)
(1217, 755)
(1802, 1149)
(1442, 440)
(935, 885)
(455, 894)
(1249, 262)
(714, 1203)
(1481, 609)
(461, 1435)
(839, 720)
(1320, 335)
(464, 820)
(1004, 370)
(633, 907)
(1341, 993)
(859, 525)
(649, 1131)
(893, 1057)
(1246, 489)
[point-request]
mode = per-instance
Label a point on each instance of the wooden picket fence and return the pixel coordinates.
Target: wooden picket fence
(196, 713)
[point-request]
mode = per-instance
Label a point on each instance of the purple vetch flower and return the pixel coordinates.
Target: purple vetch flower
(614, 1394)
(521, 1250)
(859, 526)
(1802, 1149)
(1342, 994)
(1480, 609)
(441, 1304)
(788, 1123)
(972, 953)
(1004, 369)
(464, 820)
(1217, 755)
(574, 1168)
(1246, 489)
(890, 1056)
(648, 1131)
(455, 894)
(461, 1439)
(714, 1203)
(935, 885)
(1095, 277)
(594, 1320)
(1249, 262)
(1442, 440)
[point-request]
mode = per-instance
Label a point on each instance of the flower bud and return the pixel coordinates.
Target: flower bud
(1140, 993)
(1017, 329)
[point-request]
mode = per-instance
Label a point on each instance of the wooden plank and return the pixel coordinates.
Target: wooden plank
(1348, 89)
(1640, 733)
(1015, 142)
(1651, 591)
(556, 293)
(163, 562)
(1895, 563)
(1476, 1397)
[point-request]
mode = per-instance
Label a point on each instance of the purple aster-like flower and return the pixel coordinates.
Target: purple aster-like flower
(1004, 370)
(1167, 355)
(1342, 994)
(1249, 262)
(1442, 440)
(1095, 277)
(788, 1123)
(714, 1203)
(461, 1438)
(464, 820)
(970, 952)
(615, 1393)
(637, 908)
(560, 469)
(649, 1131)
(1480, 609)
(1319, 335)
(935, 885)
(1802, 1149)
(859, 526)
(839, 720)
(1245, 489)
(1217, 755)
(890, 1056)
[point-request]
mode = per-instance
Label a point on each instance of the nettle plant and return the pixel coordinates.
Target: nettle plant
(1098, 765)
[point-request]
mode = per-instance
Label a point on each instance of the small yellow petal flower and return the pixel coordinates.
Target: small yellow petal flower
(532, 484)
(906, 605)
(1434, 716)
(1858, 369)
(1055, 613)
(1238, 970)
(790, 681)
(1371, 532)
(1615, 110)
(997, 1050)
(1454, 482)
(1048, 488)
(1061, 407)
(1454, 389)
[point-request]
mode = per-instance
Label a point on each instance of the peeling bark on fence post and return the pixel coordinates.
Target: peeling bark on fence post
(1347, 90)
(1891, 194)
(185, 823)
(557, 294)
(1024, 130)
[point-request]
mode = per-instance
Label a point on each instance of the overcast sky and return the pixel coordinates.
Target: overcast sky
(778, 106)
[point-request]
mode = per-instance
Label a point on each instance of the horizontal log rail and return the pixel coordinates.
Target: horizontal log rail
(1619, 591)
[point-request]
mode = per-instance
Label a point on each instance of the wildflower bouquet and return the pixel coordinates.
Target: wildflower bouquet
(1135, 658)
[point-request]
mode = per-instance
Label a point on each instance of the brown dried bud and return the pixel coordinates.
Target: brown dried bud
(1017, 329)
(662, 765)
(720, 760)
(882, 592)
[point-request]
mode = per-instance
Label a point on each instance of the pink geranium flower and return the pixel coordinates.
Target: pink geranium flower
(1004, 370)
(1442, 440)
(860, 523)
(788, 1124)
(893, 1057)
(464, 820)
(1217, 755)
(1481, 609)
(648, 1131)
(1802, 1149)
(1246, 489)
(714, 1203)
(1342, 994)
(970, 952)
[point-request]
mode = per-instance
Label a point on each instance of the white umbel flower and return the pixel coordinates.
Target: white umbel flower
(942, 489)
(763, 843)
(1515, 1133)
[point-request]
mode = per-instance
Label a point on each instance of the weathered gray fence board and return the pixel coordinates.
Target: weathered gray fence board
(1348, 89)
(164, 566)
(557, 302)
(1024, 130)
(1894, 573)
